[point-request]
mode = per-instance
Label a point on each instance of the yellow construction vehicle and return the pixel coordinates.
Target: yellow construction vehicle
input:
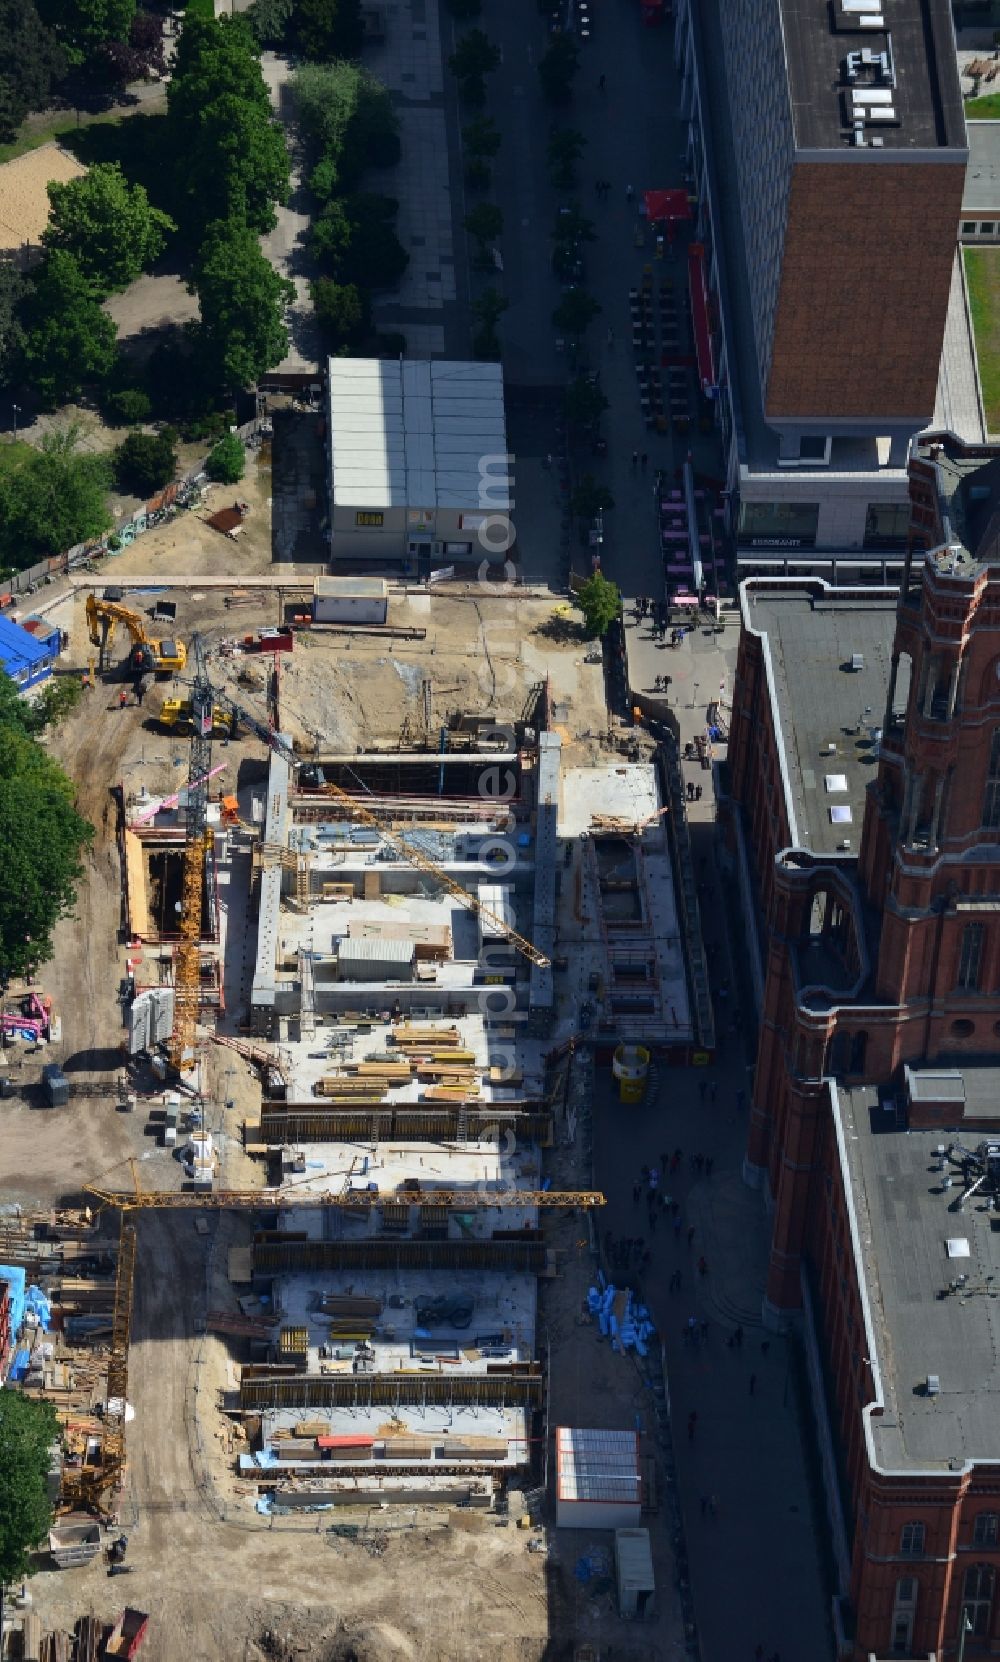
(176, 714)
(147, 656)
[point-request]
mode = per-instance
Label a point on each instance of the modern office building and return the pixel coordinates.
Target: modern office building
(865, 778)
(838, 298)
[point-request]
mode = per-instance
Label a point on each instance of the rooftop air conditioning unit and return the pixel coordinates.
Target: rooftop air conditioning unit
(932, 1384)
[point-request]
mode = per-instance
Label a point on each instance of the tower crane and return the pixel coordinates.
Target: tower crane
(355, 1200)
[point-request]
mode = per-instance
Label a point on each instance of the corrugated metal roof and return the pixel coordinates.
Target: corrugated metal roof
(356, 949)
(597, 1465)
(18, 649)
(634, 1557)
(414, 434)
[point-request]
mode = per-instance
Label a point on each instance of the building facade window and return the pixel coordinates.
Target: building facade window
(911, 1542)
(970, 958)
(991, 799)
(778, 524)
(887, 524)
(904, 1615)
(977, 1598)
(985, 1529)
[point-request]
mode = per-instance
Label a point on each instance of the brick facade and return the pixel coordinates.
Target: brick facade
(863, 296)
(912, 928)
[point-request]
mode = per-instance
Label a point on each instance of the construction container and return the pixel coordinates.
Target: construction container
(597, 1479)
(367, 960)
(74, 1541)
(350, 600)
(56, 1085)
(634, 1565)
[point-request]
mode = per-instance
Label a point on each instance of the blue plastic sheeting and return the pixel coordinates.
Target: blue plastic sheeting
(14, 1276)
(36, 1302)
(635, 1329)
(19, 1366)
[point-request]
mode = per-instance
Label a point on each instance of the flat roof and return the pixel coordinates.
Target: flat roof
(925, 1322)
(24, 202)
(982, 176)
(411, 434)
(812, 632)
(350, 588)
(926, 97)
(597, 1465)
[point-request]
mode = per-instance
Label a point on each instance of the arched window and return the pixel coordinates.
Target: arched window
(986, 1529)
(911, 1542)
(977, 1598)
(971, 957)
(859, 1046)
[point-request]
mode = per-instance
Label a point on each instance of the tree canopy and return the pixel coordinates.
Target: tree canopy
(325, 29)
(28, 1428)
(68, 339)
(108, 226)
(83, 25)
(51, 502)
(348, 124)
(145, 462)
(600, 602)
(241, 297)
(227, 460)
(231, 160)
(31, 58)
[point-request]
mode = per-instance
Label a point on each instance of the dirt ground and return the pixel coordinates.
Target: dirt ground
(217, 1580)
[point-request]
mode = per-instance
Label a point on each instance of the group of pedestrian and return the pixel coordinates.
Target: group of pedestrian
(693, 791)
(661, 683)
(702, 1164)
(708, 1089)
(602, 187)
(640, 461)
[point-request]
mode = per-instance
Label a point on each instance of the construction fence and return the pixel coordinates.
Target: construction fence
(182, 493)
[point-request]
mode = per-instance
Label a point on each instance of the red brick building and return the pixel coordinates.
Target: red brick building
(865, 761)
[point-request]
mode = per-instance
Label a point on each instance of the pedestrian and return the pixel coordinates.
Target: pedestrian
(738, 1337)
(692, 1424)
(663, 1164)
(677, 1227)
(602, 85)
(675, 1160)
(652, 1221)
(704, 1506)
(674, 1284)
(713, 1505)
(709, 1163)
(753, 1383)
(702, 1088)
(765, 1347)
(629, 193)
(122, 699)
(715, 1089)
(647, 1259)
(703, 1265)
(697, 793)
(654, 1179)
(758, 1655)
(690, 1234)
(635, 464)
(703, 1325)
(699, 1161)
(611, 337)
(644, 461)
(636, 1191)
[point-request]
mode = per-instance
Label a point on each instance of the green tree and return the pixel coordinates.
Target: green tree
(68, 339)
(481, 138)
(342, 312)
(13, 289)
(485, 224)
(565, 148)
(325, 29)
(107, 225)
(475, 56)
(230, 156)
(572, 226)
(330, 235)
(585, 402)
(270, 19)
(27, 1431)
(375, 259)
(53, 501)
(30, 60)
(557, 68)
(575, 311)
(600, 603)
(81, 26)
(227, 460)
(241, 298)
(487, 309)
(42, 837)
(348, 123)
(145, 462)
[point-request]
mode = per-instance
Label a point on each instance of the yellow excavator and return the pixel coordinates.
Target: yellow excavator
(176, 714)
(147, 656)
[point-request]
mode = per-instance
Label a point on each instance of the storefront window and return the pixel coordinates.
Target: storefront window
(778, 524)
(886, 524)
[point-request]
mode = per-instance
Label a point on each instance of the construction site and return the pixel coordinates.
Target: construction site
(314, 1220)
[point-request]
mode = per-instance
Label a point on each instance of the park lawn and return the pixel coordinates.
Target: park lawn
(13, 455)
(986, 108)
(58, 126)
(982, 273)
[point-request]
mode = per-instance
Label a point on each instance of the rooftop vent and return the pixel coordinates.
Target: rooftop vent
(932, 1385)
(859, 14)
(857, 660)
